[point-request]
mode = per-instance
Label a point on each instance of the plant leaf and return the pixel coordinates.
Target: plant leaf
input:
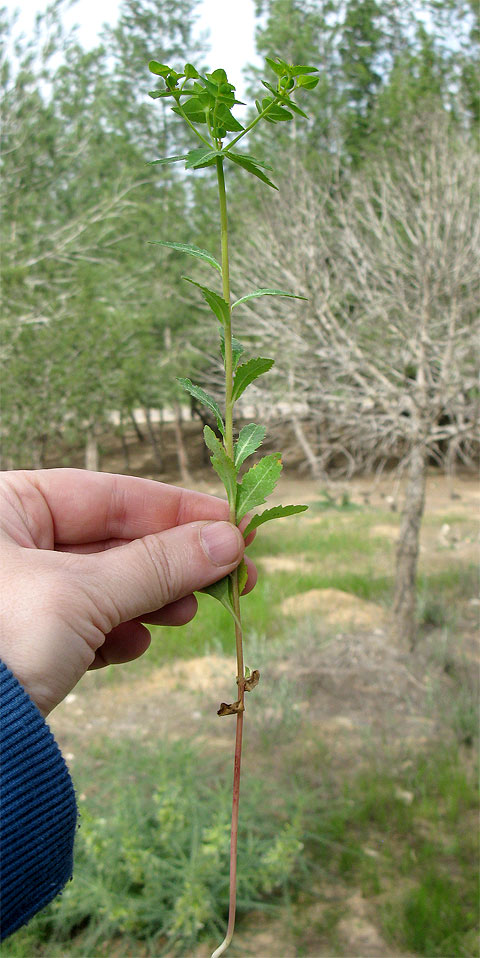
(201, 157)
(278, 66)
(308, 82)
(251, 158)
(276, 512)
(250, 438)
(222, 463)
(222, 592)
(217, 304)
(191, 72)
(237, 348)
(192, 250)
(168, 159)
(250, 167)
(300, 70)
(160, 69)
(242, 576)
(296, 109)
(225, 118)
(198, 393)
(267, 292)
(258, 483)
(247, 372)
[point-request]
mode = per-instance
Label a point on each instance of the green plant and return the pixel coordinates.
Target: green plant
(205, 104)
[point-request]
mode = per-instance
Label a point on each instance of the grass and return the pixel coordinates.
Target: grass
(400, 837)
(355, 564)
(150, 874)
(150, 855)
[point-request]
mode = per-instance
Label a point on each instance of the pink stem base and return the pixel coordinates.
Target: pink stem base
(233, 838)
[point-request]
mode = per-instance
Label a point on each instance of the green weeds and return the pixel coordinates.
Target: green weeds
(399, 827)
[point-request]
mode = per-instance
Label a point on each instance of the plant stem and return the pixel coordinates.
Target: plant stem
(254, 122)
(235, 590)
(233, 840)
(189, 122)
(228, 399)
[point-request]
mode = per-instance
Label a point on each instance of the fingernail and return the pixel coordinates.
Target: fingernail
(222, 542)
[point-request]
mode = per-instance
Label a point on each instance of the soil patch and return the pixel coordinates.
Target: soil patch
(335, 608)
(273, 564)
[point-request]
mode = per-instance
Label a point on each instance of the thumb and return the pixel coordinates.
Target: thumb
(146, 574)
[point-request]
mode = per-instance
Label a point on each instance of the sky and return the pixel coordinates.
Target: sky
(230, 23)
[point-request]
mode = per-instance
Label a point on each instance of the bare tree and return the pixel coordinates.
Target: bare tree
(384, 353)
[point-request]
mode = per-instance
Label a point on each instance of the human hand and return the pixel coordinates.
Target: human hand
(88, 557)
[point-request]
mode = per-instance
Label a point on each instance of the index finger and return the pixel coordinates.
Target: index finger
(91, 506)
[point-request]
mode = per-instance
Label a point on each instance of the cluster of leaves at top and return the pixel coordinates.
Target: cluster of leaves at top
(209, 99)
(205, 104)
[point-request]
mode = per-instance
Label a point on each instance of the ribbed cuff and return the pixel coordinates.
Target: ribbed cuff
(38, 812)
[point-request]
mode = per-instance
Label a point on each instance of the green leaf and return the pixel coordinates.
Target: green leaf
(278, 66)
(222, 591)
(168, 159)
(242, 576)
(157, 94)
(276, 512)
(237, 348)
(218, 76)
(258, 483)
(269, 86)
(218, 305)
(276, 113)
(267, 292)
(192, 250)
(251, 167)
(299, 70)
(190, 72)
(222, 464)
(193, 106)
(296, 109)
(203, 156)
(160, 69)
(250, 438)
(225, 118)
(198, 393)
(309, 83)
(252, 159)
(247, 372)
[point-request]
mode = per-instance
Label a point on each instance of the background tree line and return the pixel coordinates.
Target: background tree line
(379, 365)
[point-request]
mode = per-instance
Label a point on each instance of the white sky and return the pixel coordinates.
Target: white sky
(230, 24)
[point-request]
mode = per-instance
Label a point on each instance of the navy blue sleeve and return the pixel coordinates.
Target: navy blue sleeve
(38, 812)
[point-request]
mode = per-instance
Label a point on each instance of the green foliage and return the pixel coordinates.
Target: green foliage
(247, 373)
(153, 872)
(217, 304)
(198, 393)
(276, 512)
(258, 483)
(249, 439)
(266, 292)
(223, 465)
(205, 103)
(202, 254)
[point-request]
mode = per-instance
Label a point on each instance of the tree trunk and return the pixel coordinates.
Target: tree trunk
(126, 454)
(306, 448)
(404, 605)
(185, 476)
(136, 427)
(157, 449)
(92, 459)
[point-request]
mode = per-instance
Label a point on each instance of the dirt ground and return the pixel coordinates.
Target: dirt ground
(355, 687)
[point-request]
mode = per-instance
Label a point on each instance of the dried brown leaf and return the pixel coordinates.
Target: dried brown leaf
(231, 709)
